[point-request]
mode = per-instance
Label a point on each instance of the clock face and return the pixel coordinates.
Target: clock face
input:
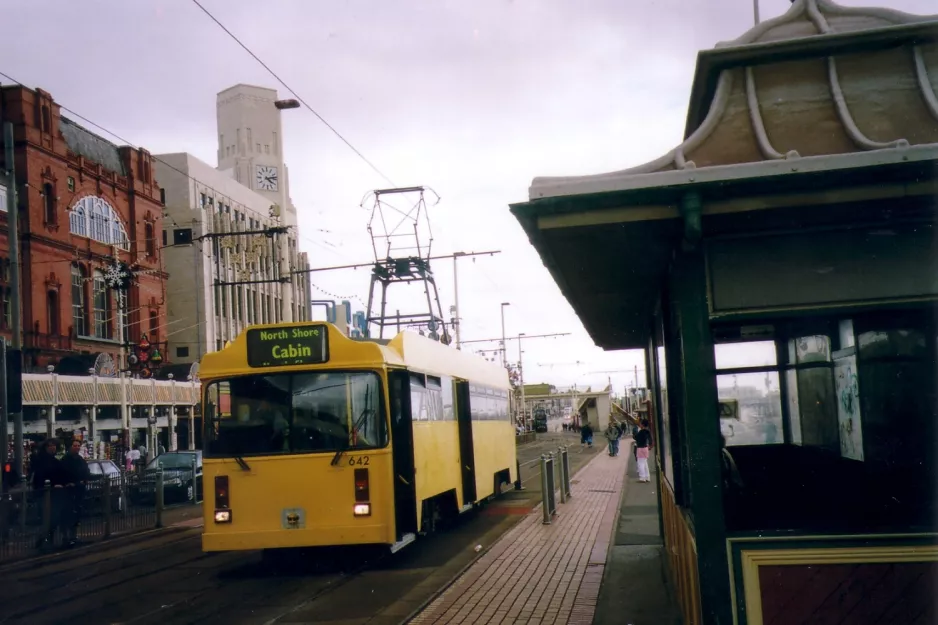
(266, 178)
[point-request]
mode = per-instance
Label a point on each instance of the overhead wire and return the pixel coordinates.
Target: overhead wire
(294, 93)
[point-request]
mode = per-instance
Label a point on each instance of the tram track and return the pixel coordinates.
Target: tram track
(166, 579)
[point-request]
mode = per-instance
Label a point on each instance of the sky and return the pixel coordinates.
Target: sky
(471, 99)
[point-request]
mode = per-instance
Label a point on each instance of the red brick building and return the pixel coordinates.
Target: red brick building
(85, 204)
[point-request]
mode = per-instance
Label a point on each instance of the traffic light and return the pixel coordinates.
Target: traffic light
(10, 477)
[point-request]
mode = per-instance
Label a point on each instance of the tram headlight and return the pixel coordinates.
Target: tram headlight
(361, 509)
(223, 516)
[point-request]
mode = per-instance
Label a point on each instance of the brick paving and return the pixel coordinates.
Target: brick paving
(540, 573)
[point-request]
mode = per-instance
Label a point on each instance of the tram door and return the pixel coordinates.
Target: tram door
(402, 446)
(466, 451)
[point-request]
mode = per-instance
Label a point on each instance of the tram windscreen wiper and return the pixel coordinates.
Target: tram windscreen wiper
(241, 463)
(338, 454)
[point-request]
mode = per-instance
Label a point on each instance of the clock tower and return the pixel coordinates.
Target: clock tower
(250, 144)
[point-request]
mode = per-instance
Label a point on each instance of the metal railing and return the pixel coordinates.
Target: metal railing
(33, 521)
(555, 471)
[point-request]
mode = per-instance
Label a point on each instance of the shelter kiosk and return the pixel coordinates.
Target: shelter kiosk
(779, 269)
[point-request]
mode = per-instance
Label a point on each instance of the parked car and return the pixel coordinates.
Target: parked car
(102, 470)
(179, 482)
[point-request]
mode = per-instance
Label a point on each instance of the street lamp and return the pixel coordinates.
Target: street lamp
(524, 407)
(287, 104)
(504, 356)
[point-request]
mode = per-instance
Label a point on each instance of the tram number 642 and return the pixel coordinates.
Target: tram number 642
(361, 461)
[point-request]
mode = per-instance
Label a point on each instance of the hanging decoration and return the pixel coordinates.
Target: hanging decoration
(118, 275)
(145, 357)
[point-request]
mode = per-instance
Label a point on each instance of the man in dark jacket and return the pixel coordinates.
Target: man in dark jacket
(47, 468)
(77, 476)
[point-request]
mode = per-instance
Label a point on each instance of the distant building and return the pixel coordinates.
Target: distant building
(248, 191)
(86, 205)
(202, 200)
(250, 150)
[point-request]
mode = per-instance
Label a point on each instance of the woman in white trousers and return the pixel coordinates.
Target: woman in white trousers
(642, 450)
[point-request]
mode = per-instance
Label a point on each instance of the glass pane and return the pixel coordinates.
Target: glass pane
(848, 408)
(889, 343)
(818, 404)
(846, 334)
(811, 349)
(751, 354)
(794, 407)
(298, 412)
(759, 411)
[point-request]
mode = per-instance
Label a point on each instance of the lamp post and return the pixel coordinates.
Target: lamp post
(456, 319)
(504, 356)
(524, 408)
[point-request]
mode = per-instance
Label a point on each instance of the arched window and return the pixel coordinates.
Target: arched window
(150, 239)
(93, 217)
(102, 307)
(78, 221)
(79, 319)
(49, 203)
(52, 312)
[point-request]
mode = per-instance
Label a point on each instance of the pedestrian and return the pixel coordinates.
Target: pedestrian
(48, 468)
(612, 436)
(78, 474)
(642, 447)
(586, 434)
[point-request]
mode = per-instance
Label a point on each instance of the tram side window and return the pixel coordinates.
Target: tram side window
(435, 398)
(449, 407)
(749, 392)
(488, 404)
(419, 398)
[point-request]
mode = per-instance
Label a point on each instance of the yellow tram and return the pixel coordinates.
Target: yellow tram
(315, 439)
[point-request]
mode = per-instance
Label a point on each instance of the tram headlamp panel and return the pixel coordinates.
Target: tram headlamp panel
(223, 516)
(363, 509)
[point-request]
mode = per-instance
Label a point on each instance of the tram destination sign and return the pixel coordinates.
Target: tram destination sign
(287, 347)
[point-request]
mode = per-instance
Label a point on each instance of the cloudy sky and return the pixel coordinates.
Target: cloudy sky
(471, 98)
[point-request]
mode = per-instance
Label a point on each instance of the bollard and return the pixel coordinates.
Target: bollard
(159, 498)
(107, 505)
(565, 473)
(545, 503)
(560, 458)
(551, 484)
(518, 485)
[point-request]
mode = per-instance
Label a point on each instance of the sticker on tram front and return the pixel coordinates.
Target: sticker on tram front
(293, 518)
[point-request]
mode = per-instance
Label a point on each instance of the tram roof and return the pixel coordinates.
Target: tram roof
(428, 356)
(404, 350)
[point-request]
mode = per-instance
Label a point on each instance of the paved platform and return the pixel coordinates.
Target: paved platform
(635, 588)
(540, 573)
